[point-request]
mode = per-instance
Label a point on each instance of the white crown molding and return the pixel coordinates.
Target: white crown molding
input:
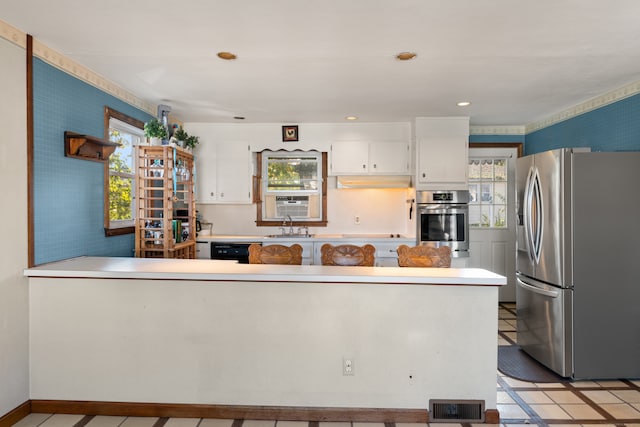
(496, 130)
(13, 34)
(585, 107)
(71, 67)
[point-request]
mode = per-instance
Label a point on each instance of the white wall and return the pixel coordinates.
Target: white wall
(380, 211)
(262, 343)
(14, 306)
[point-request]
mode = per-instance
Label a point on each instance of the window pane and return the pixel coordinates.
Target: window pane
(474, 169)
(120, 198)
(488, 192)
(292, 173)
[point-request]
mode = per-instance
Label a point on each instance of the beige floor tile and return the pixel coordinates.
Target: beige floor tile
(32, 420)
(215, 422)
(636, 405)
(503, 325)
(584, 384)
(582, 412)
(601, 396)
(608, 384)
(504, 398)
(294, 424)
(514, 383)
(534, 397)
(621, 411)
(550, 412)
(502, 341)
(629, 396)
(334, 424)
(411, 424)
(550, 385)
(182, 422)
(105, 421)
(511, 412)
(561, 396)
(61, 420)
(258, 423)
(512, 336)
(139, 422)
(358, 424)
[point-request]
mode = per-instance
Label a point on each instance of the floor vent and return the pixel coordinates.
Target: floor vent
(442, 410)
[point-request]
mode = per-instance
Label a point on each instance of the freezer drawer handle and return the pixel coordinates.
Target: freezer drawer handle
(545, 292)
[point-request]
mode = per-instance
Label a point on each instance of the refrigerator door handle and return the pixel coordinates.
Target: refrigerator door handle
(533, 213)
(537, 290)
(528, 206)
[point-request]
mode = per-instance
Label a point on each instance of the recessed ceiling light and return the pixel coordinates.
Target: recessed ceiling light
(463, 104)
(405, 56)
(351, 118)
(228, 56)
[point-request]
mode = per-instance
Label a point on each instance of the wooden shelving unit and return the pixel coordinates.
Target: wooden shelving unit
(87, 147)
(165, 224)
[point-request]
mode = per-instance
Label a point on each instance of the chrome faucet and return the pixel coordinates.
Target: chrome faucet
(290, 224)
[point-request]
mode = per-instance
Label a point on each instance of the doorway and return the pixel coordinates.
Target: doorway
(492, 231)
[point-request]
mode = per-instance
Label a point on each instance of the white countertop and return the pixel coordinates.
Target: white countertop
(216, 270)
(314, 237)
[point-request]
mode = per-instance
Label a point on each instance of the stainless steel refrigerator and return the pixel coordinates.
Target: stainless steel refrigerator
(577, 263)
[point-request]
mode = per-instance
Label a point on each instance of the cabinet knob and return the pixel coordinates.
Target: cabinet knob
(424, 175)
(221, 195)
(375, 166)
(364, 166)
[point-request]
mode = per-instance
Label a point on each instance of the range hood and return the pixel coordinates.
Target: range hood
(374, 181)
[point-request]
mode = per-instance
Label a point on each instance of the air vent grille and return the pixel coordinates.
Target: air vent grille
(441, 410)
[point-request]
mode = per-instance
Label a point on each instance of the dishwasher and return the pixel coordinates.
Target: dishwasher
(231, 251)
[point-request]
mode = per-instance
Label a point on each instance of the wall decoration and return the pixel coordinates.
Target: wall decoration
(289, 133)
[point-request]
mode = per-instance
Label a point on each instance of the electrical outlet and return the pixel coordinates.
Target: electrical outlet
(347, 366)
(356, 219)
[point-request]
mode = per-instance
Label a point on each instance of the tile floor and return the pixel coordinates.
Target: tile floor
(579, 403)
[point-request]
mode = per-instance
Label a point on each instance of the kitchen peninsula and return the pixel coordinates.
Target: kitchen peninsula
(194, 337)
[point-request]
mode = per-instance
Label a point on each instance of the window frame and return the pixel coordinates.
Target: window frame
(128, 227)
(258, 191)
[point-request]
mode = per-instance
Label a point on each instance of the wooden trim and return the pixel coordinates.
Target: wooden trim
(289, 413)
(492, 416)
(517, 145)
(108, 114)
(30, 139)
(15, 415)
(257, 196)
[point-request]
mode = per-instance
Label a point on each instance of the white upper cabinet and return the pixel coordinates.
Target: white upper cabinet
(442, 146)
(223, 172)
(364, 158)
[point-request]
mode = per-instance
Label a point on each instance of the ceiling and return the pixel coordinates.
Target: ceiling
(516, 61)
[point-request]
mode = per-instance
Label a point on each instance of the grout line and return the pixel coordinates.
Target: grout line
(160, 422)
(84, 421)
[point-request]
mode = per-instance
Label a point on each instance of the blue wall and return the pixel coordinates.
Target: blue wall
(68, 192)
(614, 127)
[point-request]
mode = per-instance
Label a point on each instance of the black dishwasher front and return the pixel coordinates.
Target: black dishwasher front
(231, 251)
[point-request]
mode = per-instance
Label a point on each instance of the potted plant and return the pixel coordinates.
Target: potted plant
(155, 131)
(191, 141)
(181, 136)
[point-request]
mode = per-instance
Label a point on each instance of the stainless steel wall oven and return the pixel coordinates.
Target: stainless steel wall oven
(443, 220)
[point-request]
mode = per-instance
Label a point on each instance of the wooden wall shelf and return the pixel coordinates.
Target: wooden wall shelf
(87, 147)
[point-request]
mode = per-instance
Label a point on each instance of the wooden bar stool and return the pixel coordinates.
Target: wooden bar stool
(275, 254)
(351, 255)
(424, 256)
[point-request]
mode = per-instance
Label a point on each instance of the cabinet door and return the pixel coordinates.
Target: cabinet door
(442, 153)
(234, 173)
(206, 166)
(388, 158)
(349, 158)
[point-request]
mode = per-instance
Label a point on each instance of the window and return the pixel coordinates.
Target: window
(292, 184)
(488, 192)
(120, 172)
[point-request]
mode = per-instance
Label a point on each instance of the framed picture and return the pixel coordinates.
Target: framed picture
(289, 133)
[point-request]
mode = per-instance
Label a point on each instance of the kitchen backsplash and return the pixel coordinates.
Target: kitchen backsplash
(378, 211)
